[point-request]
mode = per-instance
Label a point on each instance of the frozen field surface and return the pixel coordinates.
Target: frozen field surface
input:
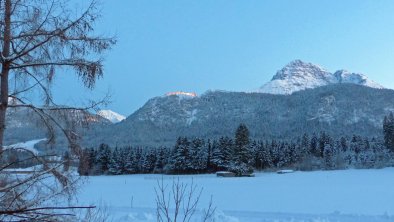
(320, 196)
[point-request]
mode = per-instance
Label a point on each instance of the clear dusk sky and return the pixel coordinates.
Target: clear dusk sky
(168, 45)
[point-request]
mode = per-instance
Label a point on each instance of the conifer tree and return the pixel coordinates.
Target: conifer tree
(197, 156)
(131, 163)
(87, 162)
(388, 131)
(209, 150)
(103, 158)
(114, 166)
(241, 151)
(343, 144)
(226, 147)
(328, 156)
(323, 140)
(149, 161)
(242, 156)
(161, 160)
(313, 146)
(304, 146)
(181, 156)
(217, 157)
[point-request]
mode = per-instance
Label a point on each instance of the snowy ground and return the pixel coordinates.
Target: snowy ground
(29, 145)
(347, 195)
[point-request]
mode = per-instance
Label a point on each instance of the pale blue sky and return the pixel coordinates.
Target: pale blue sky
(168, 45)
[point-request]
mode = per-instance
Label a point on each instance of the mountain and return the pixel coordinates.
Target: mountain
(28, 145)
(339, 109)
(111, 115)
(301, 98)
(23, 124)
(299, 75)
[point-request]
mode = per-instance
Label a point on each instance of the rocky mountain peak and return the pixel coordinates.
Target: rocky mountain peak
(299, 75)
(301, 69)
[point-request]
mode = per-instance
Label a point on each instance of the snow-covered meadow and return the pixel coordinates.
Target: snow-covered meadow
(345, 195)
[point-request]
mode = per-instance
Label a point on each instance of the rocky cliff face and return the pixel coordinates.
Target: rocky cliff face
(299, 75)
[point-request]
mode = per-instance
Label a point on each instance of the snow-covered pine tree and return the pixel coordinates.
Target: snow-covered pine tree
(344, 144)
(114, 166)
(217, 157)
(381, 153)
(197, 156)
(253, 149)
(123, 159)
(149, 160)
(138, 159)
(208, 148)
(323, 140)
(388, 131)
(161, 160)
(274, 152)
(262, 156)
(180, 159)
(329, 156)
(130, 162)
(87, 162)
(241, 157)
(103, 158)
(304, 146)
(295, 153)
(314, 146)
(267, 158)
(226, 147)
(284, 155)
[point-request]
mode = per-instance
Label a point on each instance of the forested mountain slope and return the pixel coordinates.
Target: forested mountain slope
(339, 109)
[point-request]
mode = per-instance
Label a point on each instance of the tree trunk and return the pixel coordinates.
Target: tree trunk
(5, 68)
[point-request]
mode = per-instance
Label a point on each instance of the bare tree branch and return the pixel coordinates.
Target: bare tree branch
(182, 204)
(38, 37)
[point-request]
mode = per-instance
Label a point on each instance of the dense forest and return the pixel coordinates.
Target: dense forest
(339, 110)
(242, 155)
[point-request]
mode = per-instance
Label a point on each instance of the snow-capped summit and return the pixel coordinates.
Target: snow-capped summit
(111, 115)
(300, 69)
(182, 95)
(299, 75)
(344, 76)
(191, 94)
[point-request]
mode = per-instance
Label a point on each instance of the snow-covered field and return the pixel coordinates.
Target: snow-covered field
(346, 195)
(29, 145)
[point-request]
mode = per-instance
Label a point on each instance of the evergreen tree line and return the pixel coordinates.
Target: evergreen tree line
(388, 131)
(239, 155)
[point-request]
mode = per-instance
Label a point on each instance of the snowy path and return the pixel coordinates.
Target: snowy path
(347, 195)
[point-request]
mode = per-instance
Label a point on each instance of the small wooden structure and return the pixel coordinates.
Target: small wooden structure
(225, 174)
(247, 175)
(284, 171)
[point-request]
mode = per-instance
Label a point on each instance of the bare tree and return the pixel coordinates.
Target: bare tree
(180, 202)
(38, 38)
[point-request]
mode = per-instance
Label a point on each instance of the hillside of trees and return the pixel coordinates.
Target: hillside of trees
(339, 110)
(242, 155)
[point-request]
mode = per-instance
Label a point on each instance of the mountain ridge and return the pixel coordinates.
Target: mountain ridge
(339, 109)
(299, 75)
(342, 108)
(110, 115)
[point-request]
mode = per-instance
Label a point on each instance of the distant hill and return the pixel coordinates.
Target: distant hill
(339, 109)
(111, 115)
(23, 124)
